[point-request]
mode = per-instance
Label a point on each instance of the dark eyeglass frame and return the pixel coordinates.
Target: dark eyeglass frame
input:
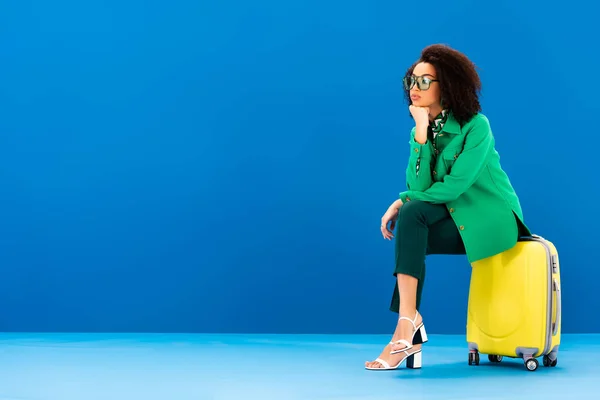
(422, 82)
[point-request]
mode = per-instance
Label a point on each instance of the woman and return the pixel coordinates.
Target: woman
(459, 200)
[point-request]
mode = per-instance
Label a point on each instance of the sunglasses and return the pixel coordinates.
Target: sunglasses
(423, 82)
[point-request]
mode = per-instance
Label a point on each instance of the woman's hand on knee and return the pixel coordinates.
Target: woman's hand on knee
(388, 221)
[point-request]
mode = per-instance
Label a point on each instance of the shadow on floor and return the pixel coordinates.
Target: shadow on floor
(461, 370)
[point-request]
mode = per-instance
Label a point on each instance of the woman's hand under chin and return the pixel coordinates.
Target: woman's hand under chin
(421, 116)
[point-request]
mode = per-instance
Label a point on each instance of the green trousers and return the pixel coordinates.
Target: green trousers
(423, 229)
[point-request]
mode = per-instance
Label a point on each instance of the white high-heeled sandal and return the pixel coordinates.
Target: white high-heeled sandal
(419, 334)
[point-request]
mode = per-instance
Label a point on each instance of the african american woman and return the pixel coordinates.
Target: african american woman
(458, 200)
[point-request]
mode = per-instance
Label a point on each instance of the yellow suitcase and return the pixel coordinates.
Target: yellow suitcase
(514, 306)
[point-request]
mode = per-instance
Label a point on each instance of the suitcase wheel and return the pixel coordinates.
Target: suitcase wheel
(550, 363)
(494, 358)
(531, 364)
(473, 358)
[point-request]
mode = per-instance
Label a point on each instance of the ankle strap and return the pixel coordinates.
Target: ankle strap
(412, 321)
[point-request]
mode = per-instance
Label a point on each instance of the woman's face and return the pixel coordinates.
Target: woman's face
(424, 75)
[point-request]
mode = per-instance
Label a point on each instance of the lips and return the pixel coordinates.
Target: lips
(415, 97)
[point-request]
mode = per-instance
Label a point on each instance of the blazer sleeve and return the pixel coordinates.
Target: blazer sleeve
(418, 171)
(465, 170)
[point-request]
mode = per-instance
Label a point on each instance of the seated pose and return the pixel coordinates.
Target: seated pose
(459, 200)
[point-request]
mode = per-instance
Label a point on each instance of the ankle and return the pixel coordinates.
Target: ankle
(410, 329)
(409, 316)
(408, 312)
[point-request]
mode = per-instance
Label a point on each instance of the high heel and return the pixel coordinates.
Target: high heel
(419, 335)
(415, 360)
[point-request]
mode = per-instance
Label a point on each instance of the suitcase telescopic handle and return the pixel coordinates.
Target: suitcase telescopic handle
(558, 308)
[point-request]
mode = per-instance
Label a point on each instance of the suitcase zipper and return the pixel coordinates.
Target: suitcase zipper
(558, 308)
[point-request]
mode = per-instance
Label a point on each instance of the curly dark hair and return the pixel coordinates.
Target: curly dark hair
(459, 82)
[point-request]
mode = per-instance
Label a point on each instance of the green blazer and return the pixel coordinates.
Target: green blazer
(467, 177)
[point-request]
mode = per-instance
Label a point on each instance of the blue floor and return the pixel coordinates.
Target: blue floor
(262, 367)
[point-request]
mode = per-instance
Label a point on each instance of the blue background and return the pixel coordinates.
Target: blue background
(223, 166)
